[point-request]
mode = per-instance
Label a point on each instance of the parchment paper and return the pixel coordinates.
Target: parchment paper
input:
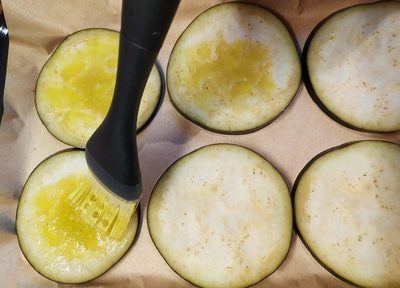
(302, 131)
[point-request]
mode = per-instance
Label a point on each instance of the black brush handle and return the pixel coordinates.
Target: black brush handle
(4, 41)
(111, 152)
(146, 22)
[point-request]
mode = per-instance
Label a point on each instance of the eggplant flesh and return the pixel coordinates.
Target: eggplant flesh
(234, 69)
(221, 216)
(54, 237)
(347, 207)
(75, 86)
(353, 66)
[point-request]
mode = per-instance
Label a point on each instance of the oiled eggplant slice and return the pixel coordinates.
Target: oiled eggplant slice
(76, 85)
(221, 216)
(55, 238)
(347, 210)
(353, 66)
(234, 69)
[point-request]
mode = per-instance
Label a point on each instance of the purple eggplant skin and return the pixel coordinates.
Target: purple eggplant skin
(298, 90)
(261, 156)
(138, 228)
(293, 195)
(160, 98)
(307, 80)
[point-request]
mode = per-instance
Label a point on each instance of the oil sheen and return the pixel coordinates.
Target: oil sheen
(62, 228)
(231, 74)
(88, 71)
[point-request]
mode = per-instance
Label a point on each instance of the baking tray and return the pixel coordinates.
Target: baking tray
(300, 133)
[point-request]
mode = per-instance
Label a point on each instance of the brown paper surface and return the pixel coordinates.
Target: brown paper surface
(301, 132)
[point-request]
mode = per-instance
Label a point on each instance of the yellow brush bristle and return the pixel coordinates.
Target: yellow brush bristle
(103, 209)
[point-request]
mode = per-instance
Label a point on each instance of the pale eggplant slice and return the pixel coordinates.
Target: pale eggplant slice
(234, 69)
(221, 216)
(56, 239)
(347, 210)
(76, 85)
(353, 66)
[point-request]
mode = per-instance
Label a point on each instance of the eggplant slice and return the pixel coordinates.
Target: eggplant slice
(221, 216)
(353, 66)
(55, 238)
(234, 69)
(76, 85)
(347, 210)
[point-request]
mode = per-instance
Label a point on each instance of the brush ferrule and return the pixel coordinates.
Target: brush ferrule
(129, 192)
